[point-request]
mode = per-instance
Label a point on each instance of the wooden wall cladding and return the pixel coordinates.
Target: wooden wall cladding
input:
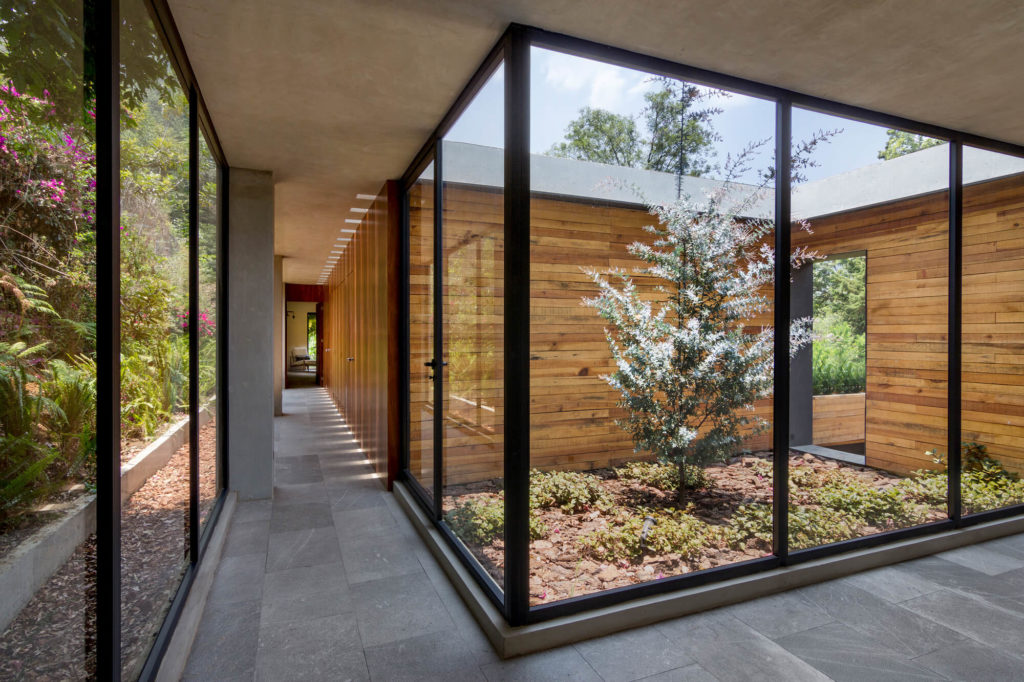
(573, 411)
(311, 293)
(358, 333)
(992, 376)
(838, 418)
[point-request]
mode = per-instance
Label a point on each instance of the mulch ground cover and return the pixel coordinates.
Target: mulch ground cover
(53, 638)
(560, 566)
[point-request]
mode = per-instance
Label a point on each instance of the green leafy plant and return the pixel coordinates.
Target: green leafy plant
(476, 521)
(839, 358)
(663, 476)
(808, 526)
(657, 532)
(571, 491)
(482, 521)
(858, 500)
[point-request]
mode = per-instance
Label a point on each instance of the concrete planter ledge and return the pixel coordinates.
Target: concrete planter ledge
(27, 568)
(143, 465)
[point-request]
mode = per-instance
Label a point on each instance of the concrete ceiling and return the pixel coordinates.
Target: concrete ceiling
(336, 96)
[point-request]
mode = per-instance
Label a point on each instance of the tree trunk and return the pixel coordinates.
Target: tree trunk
(681, 463)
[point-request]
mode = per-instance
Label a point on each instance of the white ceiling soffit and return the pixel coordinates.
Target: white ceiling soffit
(335, 97)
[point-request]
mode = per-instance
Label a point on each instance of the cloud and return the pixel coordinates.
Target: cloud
(598, 84)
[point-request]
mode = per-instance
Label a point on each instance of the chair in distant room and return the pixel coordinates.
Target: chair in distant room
(300, 358)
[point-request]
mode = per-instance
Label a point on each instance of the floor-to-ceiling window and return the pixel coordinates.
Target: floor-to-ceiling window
(47, 344)
(74, 259)
(645, 384)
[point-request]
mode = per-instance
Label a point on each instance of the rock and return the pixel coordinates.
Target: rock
(607, 574)
(542, 544)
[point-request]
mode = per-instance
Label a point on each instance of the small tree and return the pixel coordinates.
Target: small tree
(689, 367)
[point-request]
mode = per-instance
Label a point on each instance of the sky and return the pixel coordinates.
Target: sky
(563, 84)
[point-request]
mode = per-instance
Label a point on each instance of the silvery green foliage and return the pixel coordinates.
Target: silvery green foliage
(689, 366)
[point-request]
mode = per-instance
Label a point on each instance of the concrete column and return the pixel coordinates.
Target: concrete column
(279, 332)
(801, 377)
(251, 333)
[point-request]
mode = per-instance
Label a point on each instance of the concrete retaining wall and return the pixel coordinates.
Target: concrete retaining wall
(30, 565)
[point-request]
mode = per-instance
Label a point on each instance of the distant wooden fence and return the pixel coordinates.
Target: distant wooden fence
(838, 418)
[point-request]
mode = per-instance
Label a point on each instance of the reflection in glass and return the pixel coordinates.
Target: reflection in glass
(421, 329)
(47, 340)
(472, 316)
(868, 408)
(154, 326)
(209, 266)
(650, 332)
(992, 374)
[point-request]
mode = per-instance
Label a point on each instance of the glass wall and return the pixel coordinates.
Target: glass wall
(472, 233)
(651, 342)
(421, 330)
(154, 332)
(206, 329)
(650, 327)
(47, 342)
(992, 373)
(870, 296)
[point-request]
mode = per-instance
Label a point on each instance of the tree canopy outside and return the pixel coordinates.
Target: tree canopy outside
(672, 134)
(900, 143)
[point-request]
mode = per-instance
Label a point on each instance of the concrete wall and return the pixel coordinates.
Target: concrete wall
(251, 333)
(278, 334)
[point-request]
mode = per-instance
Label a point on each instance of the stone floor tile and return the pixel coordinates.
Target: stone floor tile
(980, 558)
(294, 583)
(436, 656)
(729, 649)
(300, 516)
(356, 523)
(843, 654)
(248, 537)
(632, 654)
(565, 663)
(399, 608)
(238, 578)
(972, 617)
(690, 673)
(372, 558)
(308, 606)
(903, 630)
(252, 510)
(781, 614)
(300, 493)
(976, 662)
(891, 584)
(302, 548)
(226, 642)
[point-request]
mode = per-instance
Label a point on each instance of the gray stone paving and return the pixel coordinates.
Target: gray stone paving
(330, 582)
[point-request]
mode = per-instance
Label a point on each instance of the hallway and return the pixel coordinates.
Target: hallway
(330, 582)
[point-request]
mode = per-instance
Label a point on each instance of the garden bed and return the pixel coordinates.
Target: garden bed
(586, 528)
(52, 637)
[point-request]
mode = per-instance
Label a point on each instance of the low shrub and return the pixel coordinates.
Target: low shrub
(482, 521)
(857, 499)
(571, 491)
(667, 532)
(663, 476)
(476, 521)
(808, 526)
(984, 482)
